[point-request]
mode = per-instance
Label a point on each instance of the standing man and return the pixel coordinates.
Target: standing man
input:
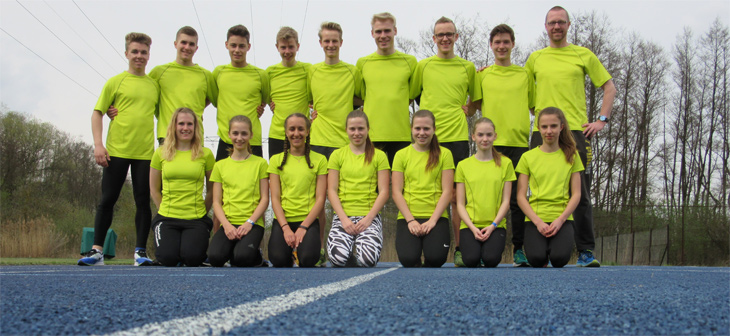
(182, 82)
(506, 94)
(288, 87)
(386, 90)
(242, 89)
(444, 81)
(130, 142)
(559, 72)
(334, 87)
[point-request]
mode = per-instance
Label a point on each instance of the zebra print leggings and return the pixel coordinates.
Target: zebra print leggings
(367, 244)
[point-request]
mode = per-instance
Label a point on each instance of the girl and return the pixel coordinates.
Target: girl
(298, 186)
(358, 181)
(423, 178)
(553, 172)
(182, 227)
(483, 189)
(240, 197)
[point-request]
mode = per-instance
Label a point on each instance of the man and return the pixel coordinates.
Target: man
(182, 82)
(288, 87)
(130, 142)
(242, 89)
(334, 85)
(443, 81)
(386, 91)
(505, 94)
(559, 72)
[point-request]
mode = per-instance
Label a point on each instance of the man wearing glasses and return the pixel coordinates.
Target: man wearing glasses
(559, 72)
(443, 82)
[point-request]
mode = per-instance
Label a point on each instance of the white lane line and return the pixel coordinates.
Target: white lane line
(226, 319)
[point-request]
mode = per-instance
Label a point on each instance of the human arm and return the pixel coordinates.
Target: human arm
(260, 109)
(245, 228)
(156, 186)
(524, 204)
(461, 210)
(447, 190)
(383, 194)
(228, 228)
(555, 226)
(208, 192)
(609, 94)
(275, 186)
(97, 125)
(272, 106)
(320, 195)
(472, 107)
(112, 112)
(333, 185)
(398, 180)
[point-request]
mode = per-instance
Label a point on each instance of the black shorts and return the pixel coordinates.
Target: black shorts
(459, 149)
(276, 146)
(324, 150)
(390, 148)
(223, 150)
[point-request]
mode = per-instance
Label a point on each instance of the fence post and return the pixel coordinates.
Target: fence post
(650, 240)
(633, 235)
(616, 259)
(681, 257)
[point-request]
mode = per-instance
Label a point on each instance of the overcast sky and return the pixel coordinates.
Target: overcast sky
(29, 84)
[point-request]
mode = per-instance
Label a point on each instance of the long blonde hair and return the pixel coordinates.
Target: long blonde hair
(169, 147)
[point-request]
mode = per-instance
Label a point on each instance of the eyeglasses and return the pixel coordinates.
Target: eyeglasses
(554, 23)
(442, 35)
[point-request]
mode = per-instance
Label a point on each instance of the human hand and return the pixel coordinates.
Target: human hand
(591, 129)
(299, 236)
(363, 224)
(231, 231)
(348, 226)
(487, 232)
(112, 112)
(101, 156)
(272, 106)
(289, 237)
(414, 227)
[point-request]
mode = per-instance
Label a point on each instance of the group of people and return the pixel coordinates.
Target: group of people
(344, 133)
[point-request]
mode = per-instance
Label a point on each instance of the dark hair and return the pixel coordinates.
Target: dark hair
(137, 37)
(239, 30)
(495, 154)
(369, 147)
(502, 29)
(434, 149)
(241, 119)
(286, 140)
(565, 140)
(187, 30)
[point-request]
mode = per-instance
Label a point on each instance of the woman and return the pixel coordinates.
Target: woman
(423, 178)
(358, 181)
(553, 173)
(182, 226)
(298, 185)
(240, 198)
(483, 189)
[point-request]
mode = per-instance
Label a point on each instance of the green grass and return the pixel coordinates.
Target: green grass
(57, 261)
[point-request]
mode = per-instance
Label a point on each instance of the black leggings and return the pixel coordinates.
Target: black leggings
(280, 254)
(112, 181)
(558, 248)
(241, 253)
(517, 217)
(490, 251)
(434, 245)
(181, 240)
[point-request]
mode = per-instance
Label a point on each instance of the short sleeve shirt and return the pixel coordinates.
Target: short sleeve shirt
(421, 187)
(183, 181)
(358, 182)
(298, 183)
(241, 184)
(483, 184)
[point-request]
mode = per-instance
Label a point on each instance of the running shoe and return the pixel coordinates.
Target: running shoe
(586, 259)
(520, 259)
(140, 258)
(322, 262)
(458, 262)
(92, 258)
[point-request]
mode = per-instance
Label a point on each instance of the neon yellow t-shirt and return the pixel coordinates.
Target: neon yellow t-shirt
(560, 80)
(241, 186)
(483, 184)
(387, 93)
(131, 134)
(182, 86)
(183, 181)
(549, 181)
(298, 183)
(445, 84)
(240, 92)
(332, 89)
(421, 188)
(358, 183)
(290, 94)
(507, 94)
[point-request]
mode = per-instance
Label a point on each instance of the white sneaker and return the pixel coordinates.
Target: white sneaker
(92, 258)
(140, 258)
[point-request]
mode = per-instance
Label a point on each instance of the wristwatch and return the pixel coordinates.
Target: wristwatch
(603, 118)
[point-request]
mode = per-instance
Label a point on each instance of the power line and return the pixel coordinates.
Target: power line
(203, 32)
(100, 33)
(250, 6)
(305, 18)
(49, 63)
(64, 43)
(78, 35)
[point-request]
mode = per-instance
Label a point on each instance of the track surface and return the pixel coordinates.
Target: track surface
(384, 300)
